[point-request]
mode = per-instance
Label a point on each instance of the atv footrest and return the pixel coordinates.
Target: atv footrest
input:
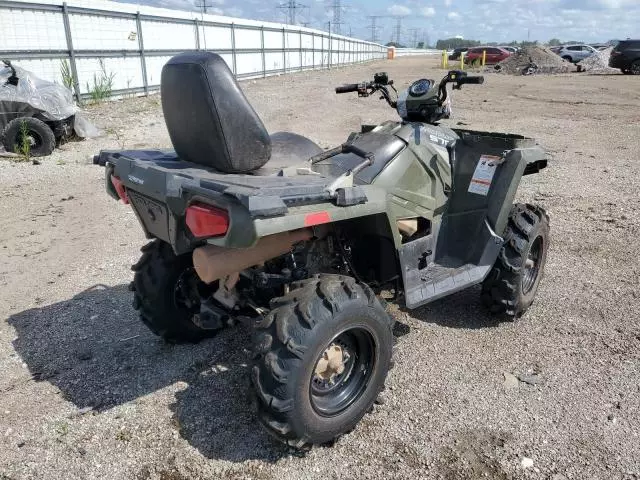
(436, 281)
(430, 273)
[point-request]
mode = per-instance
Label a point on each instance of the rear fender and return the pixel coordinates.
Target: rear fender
(322, 213)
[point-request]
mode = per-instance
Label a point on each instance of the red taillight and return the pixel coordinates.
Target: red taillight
(318, 218)
(120, 190)
(207, 221)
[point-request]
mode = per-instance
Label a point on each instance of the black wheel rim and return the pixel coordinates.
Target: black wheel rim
(186, 294)
(334, 390)
(532, 266)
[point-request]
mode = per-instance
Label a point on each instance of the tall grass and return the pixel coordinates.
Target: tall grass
(65, 73)
(102, 84)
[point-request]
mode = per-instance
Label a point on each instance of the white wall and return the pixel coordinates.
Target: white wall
(42, 34)
(404, 52)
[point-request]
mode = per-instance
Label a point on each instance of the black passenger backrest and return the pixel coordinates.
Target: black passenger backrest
(209, 119)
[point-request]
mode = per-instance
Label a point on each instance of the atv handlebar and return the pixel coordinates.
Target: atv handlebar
(382, 83)
(478, 80)
(458, 78)
(352, 87)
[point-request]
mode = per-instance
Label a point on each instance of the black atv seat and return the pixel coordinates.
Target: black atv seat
(209, 119)
(287, 150)
(384, 146)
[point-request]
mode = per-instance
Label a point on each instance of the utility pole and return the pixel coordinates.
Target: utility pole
(202, 5)
(291, 7)
(374, 27)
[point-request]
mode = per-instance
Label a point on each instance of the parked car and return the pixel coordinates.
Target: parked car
(626, 57)
(455, 55)
(512, 50)
(494, 55)
(557, 49)
(576, 53)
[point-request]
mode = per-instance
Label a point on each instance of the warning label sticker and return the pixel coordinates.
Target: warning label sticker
(483, 174)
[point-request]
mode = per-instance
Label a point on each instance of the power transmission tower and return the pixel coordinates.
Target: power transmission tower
(374, 27)
(397, 31)
(336, 6)
(414, 37)
(291, 7)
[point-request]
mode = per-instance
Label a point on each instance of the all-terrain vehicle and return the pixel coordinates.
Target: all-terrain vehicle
(34, 111)
(298, 242)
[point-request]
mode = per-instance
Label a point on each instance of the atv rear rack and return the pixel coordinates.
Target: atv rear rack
(159, 174)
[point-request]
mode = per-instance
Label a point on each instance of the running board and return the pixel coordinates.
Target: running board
(426, 280)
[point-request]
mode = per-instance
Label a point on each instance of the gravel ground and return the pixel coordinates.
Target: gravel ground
(87, 392)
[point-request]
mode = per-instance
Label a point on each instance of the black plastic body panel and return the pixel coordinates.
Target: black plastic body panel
(152, 214)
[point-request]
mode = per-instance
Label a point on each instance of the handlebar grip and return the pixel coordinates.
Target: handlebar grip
(477, 80)
(352, 87)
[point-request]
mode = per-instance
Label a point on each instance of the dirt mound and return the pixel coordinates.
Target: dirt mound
(544, 59)
(598, 62)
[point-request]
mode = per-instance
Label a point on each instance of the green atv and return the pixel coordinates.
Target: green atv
(272, 231)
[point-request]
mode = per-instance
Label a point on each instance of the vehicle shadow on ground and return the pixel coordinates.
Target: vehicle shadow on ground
(460, 310)
(95, 350)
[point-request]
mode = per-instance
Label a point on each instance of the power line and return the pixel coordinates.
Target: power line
(291, 8)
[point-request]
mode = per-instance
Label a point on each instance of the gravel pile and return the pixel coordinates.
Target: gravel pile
(598, 62)
(545, 60)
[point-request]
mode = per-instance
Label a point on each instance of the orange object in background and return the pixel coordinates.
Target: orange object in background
(391, 53)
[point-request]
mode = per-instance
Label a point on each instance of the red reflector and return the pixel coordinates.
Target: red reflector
(317, 218)
(207, 221)
(122, 192)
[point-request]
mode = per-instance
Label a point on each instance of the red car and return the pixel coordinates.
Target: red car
(494, 55)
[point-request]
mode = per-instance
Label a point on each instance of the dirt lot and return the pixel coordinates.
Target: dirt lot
(87, 392)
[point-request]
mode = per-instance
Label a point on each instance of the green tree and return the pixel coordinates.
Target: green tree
(449, 43)
(554, 42)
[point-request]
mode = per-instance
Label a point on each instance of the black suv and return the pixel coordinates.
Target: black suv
(626, 57)
(455, 55)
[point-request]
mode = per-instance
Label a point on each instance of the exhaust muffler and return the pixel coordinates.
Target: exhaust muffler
(213, 263)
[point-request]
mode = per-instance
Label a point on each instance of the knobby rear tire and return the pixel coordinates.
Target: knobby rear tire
(288, 343)
(154, 284)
